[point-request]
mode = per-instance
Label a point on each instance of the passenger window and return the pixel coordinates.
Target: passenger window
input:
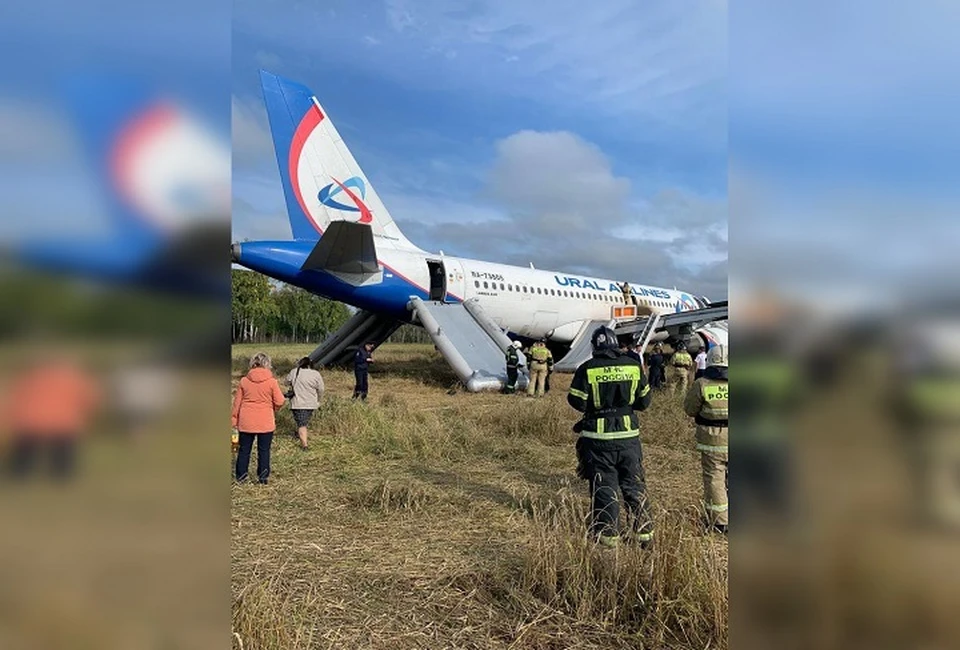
(486, 286)
(501, 286)
(477, 283)
(524, 289)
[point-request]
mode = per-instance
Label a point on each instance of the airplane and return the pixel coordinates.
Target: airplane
(164, 178)
(346, 247)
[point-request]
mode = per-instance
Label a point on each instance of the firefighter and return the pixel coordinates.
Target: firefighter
(706, 402)
(513, 366)
(607, 389)
(541, 363)
(681, 363)
(627, 291)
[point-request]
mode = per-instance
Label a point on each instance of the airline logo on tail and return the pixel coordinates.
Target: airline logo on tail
(327, 194)
(686, 303)
(169, 169)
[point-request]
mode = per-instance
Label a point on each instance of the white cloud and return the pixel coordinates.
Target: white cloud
(655, 59)
(562, 207)
(557, 174)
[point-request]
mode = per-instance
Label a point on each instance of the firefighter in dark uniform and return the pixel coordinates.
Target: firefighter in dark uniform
(361, 359)
(607, 389)
(513, 366)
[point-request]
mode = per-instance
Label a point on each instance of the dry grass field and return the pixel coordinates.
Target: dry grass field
(433, 518)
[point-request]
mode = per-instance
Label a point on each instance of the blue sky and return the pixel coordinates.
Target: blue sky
(179, 49)
(588, 137)
(844, 147)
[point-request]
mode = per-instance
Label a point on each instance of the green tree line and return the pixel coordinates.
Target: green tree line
(263, 312)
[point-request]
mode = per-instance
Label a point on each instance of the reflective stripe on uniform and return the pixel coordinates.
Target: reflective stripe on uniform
(718, 507)
(643, 537)
(609, 435)
(645, 391)
(611, 374)
(578, 393)
(720, 449)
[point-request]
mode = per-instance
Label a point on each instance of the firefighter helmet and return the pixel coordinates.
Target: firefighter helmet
(604, 338)
(717, 356)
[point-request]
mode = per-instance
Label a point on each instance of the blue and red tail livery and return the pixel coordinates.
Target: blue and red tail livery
(321, 180)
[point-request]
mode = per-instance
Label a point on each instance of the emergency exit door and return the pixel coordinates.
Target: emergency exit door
(438, 280)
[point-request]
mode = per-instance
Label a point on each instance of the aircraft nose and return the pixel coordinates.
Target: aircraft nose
(235, 252)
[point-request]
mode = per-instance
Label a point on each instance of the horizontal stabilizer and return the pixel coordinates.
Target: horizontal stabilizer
(346, 249)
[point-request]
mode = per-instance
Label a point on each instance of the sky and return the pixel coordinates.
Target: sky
(583, 137)
(844, 149)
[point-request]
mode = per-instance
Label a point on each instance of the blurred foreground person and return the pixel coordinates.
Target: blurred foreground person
(513, 367)
(681, 363)
(607, 389)
(257, 399)
(361, 363)
(928, 397)
(306, 391)
(706, 402)
(49, 407)
(770, 389)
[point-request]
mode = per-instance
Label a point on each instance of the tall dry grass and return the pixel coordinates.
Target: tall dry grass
(422, 519)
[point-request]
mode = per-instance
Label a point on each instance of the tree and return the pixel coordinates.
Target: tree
(252, 304)
(263, 311)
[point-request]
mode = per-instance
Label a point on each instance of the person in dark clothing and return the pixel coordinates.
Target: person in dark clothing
(513, 367)
(361, 361)
(608, 389)
(656, 367)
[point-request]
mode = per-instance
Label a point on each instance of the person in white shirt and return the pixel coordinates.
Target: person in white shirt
(305, 394)
(701, 361)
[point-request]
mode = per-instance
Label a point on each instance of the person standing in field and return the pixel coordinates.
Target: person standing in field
(701, 361)
(255, 404)
(513, 367)
(681, 363)
(306, 392)
(48, 408)
(657, 367)
(608, 389)
(706, 402)
(361, 361)
(541, 362)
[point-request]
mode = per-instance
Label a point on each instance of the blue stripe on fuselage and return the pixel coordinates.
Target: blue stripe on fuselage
(282, 260)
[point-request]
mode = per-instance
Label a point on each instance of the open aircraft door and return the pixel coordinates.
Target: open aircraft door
(453, 279)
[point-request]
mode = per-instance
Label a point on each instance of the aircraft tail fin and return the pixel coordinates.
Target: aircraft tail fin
(162, 169)
(322, 183)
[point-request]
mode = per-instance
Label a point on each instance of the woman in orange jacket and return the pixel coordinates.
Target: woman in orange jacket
(257, 398)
